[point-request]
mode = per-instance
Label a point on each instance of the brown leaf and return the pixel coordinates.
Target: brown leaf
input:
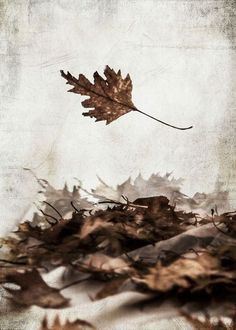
(180, 273)
(55, 233)
(111, 288)
(109, 98)
(33, 290)
(92, 225)
(103, 263)
(75, 325)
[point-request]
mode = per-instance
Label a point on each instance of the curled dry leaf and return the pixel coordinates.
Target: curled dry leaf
(112, 287)
(102, 263)
(229, 219)
(57, 325)
(33, 289)
(182, 273)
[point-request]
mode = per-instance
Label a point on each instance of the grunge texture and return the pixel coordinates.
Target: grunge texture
(181, 56)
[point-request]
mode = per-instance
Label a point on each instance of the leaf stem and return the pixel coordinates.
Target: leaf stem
(162, 122)
(54, 209)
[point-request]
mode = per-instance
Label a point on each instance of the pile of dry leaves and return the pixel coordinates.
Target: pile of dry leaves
(144, 245)
(160, 245)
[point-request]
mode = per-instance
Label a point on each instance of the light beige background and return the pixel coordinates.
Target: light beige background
(181, 58)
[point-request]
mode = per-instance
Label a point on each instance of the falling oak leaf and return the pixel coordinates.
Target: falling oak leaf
(75, 325)
(109, 98)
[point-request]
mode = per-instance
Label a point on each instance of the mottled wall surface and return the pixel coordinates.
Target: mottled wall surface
(181, 57)
(227, 135)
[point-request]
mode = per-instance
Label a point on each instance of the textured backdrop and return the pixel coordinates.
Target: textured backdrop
(181, 58)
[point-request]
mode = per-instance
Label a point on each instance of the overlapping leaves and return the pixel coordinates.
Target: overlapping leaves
(142, 245)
